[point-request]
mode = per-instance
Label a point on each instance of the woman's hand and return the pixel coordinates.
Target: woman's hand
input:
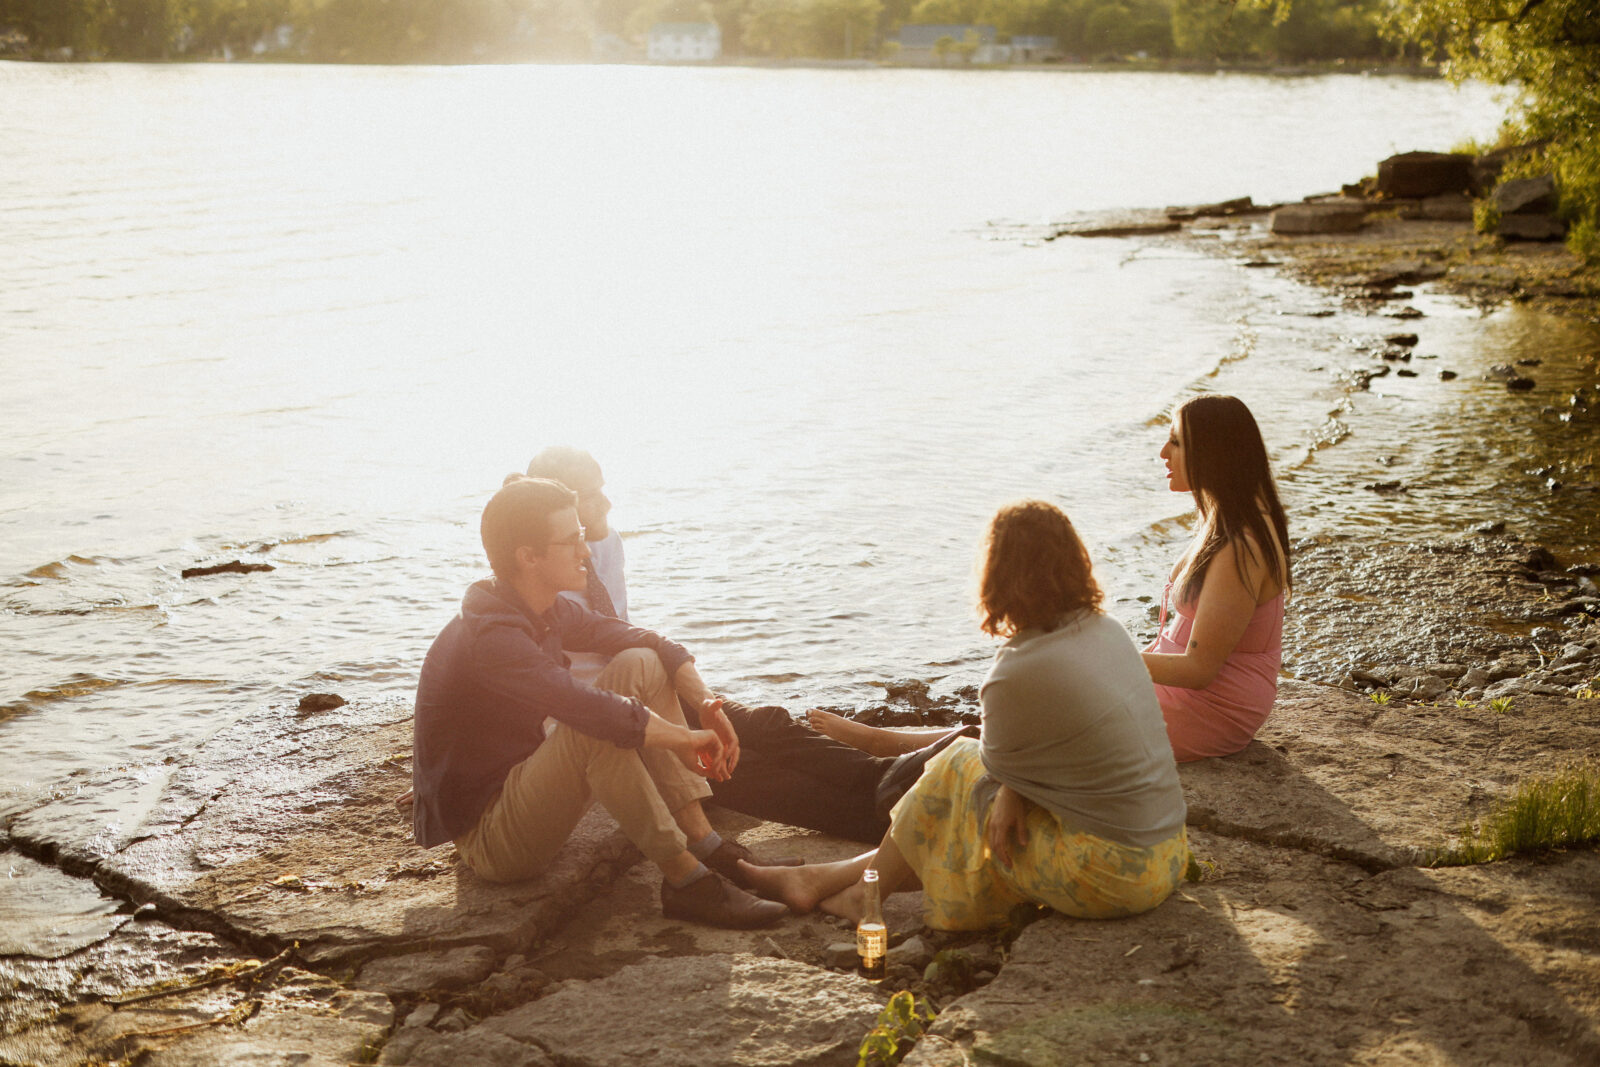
(1008, 820)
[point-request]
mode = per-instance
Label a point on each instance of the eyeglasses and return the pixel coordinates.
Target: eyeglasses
(571, 542)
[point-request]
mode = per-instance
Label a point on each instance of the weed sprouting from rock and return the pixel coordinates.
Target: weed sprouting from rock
(1380, 697)
(1544, 812)
(902, 1021)
(1500, 705)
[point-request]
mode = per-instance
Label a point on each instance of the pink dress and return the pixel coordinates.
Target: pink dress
(1220, 719)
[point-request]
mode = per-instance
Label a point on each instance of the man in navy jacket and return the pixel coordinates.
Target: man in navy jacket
(510, 750)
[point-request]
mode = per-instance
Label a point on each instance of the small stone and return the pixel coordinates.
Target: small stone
(1405, 372)
(315, 702)
(1490, 529)
(1520, 384)
(1407, 312)
(144, 912)
(1447, 375)
(452, 1022)
(912, 952)
(1476, 678)
(422, 1015)
(1404, 340)
(501, 986)
(841, 955)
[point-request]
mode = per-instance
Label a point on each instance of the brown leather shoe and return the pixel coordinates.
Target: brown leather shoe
(725, 861)
(715, 901)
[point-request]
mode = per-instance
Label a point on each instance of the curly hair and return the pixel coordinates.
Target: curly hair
(1035, 570)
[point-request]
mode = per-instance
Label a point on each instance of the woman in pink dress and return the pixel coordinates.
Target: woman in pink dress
(1215, 660)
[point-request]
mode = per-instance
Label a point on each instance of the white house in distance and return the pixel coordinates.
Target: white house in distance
(684, 42)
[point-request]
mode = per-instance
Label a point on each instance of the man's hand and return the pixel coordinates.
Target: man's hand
(699, 750)
(1008, 817)
(702, 753)
(713, 718)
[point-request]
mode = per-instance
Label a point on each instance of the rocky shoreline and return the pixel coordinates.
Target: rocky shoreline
(272, 907)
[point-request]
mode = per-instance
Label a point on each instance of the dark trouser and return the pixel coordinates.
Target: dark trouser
(789, 773)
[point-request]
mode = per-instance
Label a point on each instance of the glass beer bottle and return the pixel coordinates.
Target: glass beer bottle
(872, 934)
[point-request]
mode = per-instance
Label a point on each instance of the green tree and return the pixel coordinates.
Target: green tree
(1551, 50)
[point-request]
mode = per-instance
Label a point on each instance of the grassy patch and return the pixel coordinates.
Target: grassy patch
(1544, 812)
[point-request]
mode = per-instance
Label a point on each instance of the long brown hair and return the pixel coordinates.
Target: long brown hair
(1035, 570)
(1225, 462)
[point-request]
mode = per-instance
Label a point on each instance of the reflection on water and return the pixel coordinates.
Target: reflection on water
(310, 317)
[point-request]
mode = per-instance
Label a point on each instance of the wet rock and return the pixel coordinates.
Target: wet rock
(1405, 373)
(1332, 217)
(1392, 486)
(1404, 340)
(1490, 529)
(692, 1011)
(1117, 224)
(1447, 375)
(314, 702)
(1519, 384)
(422, 972)
(1397, 355)
(48, 915)
(1405, 313)
(281, 829)
(231, 567)
(1424, 174)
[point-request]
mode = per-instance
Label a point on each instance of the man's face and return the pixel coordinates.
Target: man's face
(593, 504)
(564, 564)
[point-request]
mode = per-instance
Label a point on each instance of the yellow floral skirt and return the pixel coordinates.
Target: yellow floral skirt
(939, 829)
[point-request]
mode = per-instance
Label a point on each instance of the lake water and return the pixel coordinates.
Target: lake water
(311, 316)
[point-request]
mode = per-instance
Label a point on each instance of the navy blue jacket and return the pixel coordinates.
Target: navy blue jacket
(494, 674)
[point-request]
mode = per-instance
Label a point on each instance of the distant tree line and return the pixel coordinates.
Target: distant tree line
(399, 31)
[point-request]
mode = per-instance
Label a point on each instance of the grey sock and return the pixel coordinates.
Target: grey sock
(704, 847)
(699, 872)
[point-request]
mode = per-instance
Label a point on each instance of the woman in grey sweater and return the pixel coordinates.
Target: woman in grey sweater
(1069, 799)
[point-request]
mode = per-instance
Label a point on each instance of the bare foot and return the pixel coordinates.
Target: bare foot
(799, 887)
(849, 903)
(873, 740)
(404, 800)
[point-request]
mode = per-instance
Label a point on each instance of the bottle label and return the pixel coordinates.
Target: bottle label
(872, 941)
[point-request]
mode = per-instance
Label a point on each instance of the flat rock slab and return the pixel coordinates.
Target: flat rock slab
(46, 914)
(1380, 786)
(1334, 217)
(737, 1011)
(622, 925)
(1285, 957)
(282, 828)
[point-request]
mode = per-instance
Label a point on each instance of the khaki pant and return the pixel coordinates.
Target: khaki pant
(545, 795)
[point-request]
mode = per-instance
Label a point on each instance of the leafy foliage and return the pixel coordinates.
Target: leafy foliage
(1548, 811)
(902, 1021)
(1550, 49)
(399, 31)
